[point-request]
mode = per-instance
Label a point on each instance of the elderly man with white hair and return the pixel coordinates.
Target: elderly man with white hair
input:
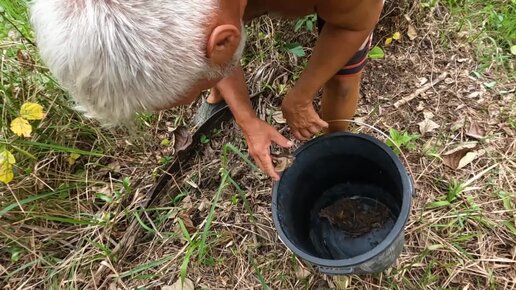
(120, 57)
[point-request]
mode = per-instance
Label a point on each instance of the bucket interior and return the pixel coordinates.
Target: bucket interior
(340, 198)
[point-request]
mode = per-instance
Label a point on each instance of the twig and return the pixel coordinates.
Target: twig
(421, 90)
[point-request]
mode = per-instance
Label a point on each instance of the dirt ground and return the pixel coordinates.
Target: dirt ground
(460, 235)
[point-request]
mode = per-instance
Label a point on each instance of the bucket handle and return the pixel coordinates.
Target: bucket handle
(381, 133)
(335, 271)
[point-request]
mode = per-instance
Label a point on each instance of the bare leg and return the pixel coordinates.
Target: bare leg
(340, 100)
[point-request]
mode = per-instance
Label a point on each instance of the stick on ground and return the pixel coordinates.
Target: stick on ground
(421, 90)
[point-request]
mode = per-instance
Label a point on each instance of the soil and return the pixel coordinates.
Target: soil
(355, 217)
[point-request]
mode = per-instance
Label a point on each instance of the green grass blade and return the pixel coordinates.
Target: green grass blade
(67, 220)
(211, 214)
(145, 267)
(25, 201)
(232, 148)
(241, 193)
(259, 274)
(146, 227)
(185, 232)
(186, 261)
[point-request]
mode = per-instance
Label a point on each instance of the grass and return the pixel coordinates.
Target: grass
(491, 27)
(72, 217)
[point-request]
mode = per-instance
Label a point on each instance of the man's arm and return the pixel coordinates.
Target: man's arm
(259, 135)
(343, 34)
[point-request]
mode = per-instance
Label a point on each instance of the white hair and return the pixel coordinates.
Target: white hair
(119, 57)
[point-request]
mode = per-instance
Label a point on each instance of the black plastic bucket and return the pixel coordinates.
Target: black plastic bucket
(343, 204)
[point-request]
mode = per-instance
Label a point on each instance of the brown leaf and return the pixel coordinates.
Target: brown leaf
(204, 205)
(187, 221)
(282, 163)
(182, 139)
(411, 32)
(24, 59)
(427, 126)
(278, 117)
(187, 285)
(475, 131)
(460, 156)
(302, 273)
(428, 114)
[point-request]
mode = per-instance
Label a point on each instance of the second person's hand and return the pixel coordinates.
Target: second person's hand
(303, 120)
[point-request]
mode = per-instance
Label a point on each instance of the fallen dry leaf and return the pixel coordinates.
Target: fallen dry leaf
(187, 221)
(422, 81)
(204, 205)
(302, 273)
(460, 156)
(474, 95)
(428, 114)
(475, 131)
(278, 117)
(282, 163)
(411, 32)
(458, 124)
(467, 159)
(427, 126)
(182, 139)
(24, 59)
(187, 285)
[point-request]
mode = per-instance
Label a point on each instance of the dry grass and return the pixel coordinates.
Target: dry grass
(85, 226)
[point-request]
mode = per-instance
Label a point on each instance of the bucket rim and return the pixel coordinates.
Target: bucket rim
(398, 228)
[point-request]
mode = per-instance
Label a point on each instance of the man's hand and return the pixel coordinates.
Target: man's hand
(259, 136)
(300, 114)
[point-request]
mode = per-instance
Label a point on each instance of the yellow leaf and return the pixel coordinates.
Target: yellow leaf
(72, 158)
(32, 111)
(6, 156)
(388, 41)
(21, 127)
(6, 172)
(396, 36)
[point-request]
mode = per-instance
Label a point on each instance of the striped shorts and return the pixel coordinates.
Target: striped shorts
(356, 64)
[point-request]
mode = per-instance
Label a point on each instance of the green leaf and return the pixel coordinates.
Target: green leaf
(437, 204)
(513, 50)
(310, 25)
(165, 142)
(506, 199)
(126, 183)
(204, 139)
(298, 25)
(510, 227)
(376, 53)
(104, 197)
(298, 51)
(15, 254)
(490, 85)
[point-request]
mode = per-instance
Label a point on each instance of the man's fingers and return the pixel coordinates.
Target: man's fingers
(314, 129)
(322, 123)
(268, 167)
(298, 135)
(281, 140)
(305, 133)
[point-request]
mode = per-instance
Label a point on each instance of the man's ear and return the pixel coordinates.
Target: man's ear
(223, 43)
